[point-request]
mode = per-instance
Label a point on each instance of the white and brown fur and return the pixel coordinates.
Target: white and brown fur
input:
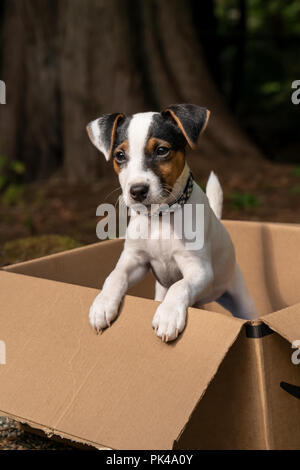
(148, 152)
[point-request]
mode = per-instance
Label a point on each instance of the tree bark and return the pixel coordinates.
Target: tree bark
(41, 132)
(74, 61)
(13, 73)
(97, 76)
(194, 84)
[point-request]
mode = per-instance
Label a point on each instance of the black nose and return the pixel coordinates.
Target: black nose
(139, 192)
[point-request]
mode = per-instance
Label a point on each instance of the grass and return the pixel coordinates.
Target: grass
(13, 194)
(24, 249)
(243, 200)
(295, 189)
(11, 180)
(296, 171)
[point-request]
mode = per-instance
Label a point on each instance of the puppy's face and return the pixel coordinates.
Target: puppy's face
(148, 155)
(148, 150)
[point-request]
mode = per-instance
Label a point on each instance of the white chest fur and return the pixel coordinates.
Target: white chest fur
(158, 244)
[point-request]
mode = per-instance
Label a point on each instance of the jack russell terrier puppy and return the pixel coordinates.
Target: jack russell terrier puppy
(148, 152)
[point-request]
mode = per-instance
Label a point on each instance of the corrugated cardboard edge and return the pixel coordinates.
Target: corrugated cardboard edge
(49, 432)
(271, 321)
(242, 323)
(62, 441)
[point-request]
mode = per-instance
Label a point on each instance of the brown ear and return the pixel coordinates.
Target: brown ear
(190, 119)
(102, 132)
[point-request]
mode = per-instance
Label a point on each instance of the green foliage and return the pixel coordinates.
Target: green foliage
(268, 66)
(17, 167)
(296, 171)
(13, 194)
(29, 224)
(24, 249)
(11, 179)
(295, 189)
(261, 16)
(243, 200)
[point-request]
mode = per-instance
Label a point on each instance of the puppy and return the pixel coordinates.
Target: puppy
(148, 153)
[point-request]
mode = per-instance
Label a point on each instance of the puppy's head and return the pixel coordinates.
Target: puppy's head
(148, 149)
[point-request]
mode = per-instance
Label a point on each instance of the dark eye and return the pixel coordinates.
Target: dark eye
(120, 156)
(162, 151)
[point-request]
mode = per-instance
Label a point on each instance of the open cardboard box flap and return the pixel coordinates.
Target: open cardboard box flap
(285, 322)
(215, 387)
(122, 387)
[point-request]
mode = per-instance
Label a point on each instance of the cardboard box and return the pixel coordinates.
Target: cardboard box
(224, 384)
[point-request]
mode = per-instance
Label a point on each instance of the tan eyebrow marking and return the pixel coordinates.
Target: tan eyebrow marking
(122, 146)
(154, 142)
(170, 170)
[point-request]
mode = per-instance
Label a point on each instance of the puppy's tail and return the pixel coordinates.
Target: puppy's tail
(215, 194)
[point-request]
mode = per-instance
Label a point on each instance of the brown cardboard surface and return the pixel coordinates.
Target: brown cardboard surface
(283, 409)
(230, 415)
(87, 266)
(269, 256)
(99, 260)
(286, 322)
(123, 389)
(245, 406)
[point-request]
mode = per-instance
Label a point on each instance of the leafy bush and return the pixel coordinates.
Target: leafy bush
(11, 180)
(295, 189)
(13, 194)
(296, 171)
(243, 200)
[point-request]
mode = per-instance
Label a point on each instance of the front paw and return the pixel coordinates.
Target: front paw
(168, 321)
(103, 312)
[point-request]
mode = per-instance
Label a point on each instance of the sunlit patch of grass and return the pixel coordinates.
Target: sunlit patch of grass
(243, 200)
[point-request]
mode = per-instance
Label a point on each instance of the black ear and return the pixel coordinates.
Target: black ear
(191, 120)
(102, 132)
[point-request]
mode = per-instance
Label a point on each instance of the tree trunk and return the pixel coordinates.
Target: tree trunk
(97, 75)
(75, 60)
(41, 137)
(12, 72)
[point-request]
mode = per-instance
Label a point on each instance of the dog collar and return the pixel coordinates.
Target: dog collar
(180, 201)
(186, 192)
